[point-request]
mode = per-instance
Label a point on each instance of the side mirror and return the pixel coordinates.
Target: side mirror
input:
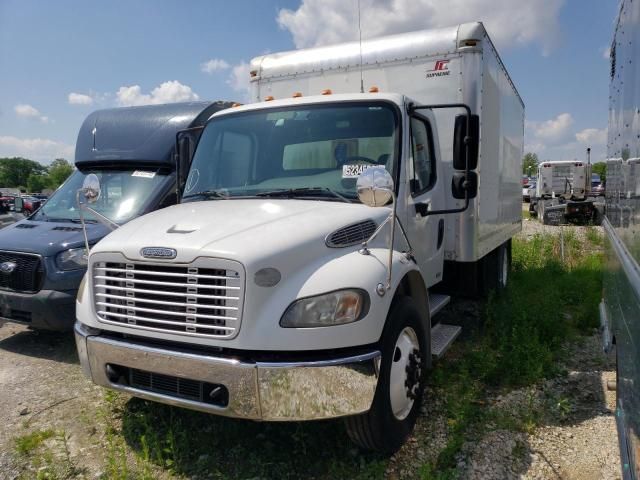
(91, 188)
(459, 136)
(375, 187)
(460, 184)
(18, 204)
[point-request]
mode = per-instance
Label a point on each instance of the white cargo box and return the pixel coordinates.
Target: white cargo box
(450, 65)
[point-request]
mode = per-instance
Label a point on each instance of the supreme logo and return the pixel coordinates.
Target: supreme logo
(440, 69)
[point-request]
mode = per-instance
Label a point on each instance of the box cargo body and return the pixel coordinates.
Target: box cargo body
(430, 67)
(620, 308)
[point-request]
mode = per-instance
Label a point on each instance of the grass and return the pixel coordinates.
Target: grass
(45, 454)
(553, 296)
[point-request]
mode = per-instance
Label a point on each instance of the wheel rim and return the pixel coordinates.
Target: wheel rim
(405, 373)
(505, 268)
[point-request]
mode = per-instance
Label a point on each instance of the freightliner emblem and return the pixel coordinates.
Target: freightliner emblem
(7, 267)
(155, 252)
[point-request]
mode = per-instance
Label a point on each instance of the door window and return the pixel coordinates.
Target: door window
(422, 169)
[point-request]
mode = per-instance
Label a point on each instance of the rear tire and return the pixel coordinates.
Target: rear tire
(398, 397)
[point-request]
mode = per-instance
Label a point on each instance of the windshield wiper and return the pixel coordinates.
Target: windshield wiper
(209, 194)
(303, 191)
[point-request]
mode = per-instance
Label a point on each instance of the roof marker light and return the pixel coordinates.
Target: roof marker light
(326, 91)
(374, 89)
(234, 105)
(297, 95)
(268, 98)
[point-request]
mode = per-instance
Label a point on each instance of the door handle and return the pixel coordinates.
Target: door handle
(422, 209)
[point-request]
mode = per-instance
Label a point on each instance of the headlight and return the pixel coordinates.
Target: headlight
(72, 259)
(335, 308)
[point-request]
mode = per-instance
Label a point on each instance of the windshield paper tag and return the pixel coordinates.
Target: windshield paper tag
(143, 174)
(354, 171)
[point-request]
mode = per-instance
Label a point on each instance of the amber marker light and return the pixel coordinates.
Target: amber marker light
(326, 91)
(374, 89)
(297, 95)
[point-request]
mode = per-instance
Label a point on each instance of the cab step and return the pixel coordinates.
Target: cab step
(437, 302)
(442, 336)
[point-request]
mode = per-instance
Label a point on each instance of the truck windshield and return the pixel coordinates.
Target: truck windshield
(124, 194)
(318, 150)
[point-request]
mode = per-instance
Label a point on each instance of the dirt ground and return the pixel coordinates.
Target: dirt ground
(42, 389)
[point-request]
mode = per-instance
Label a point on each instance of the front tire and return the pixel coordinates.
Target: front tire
(398, 397)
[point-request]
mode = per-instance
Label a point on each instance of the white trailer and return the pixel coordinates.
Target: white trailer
(274, 291)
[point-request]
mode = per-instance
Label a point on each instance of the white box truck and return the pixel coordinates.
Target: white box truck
(317, 237)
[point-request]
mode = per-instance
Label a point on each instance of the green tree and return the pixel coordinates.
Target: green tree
(15, 171)
(601, 169)
(530, 164)
(59, 170)
(37, 182)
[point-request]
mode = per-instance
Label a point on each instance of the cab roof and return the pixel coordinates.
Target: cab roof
(143, 135)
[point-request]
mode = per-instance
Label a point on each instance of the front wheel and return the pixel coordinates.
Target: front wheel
(396, 403)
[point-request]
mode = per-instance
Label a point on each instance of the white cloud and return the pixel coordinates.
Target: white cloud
(214, 65)
(509, 22)
(79, 99)
(168, 92)
(41, 149)
(553, 131)
(27, 111)
(592, 136)
(239, 79)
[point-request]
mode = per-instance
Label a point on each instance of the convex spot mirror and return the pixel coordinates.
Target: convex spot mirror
(375, 187)
(91, 188)
(459, 134)
(461, 184)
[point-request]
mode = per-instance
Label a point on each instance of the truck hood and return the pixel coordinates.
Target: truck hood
(245, 230)
(47, 238)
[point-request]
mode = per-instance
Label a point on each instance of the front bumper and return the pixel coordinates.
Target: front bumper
(46, 309)
(270, 391)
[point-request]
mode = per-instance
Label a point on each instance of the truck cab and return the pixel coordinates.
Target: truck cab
(317, 237)
(43, 257)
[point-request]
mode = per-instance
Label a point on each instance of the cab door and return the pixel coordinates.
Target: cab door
(425, 193)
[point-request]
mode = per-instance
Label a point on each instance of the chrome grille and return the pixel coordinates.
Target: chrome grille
(185, 300)
(351, 234)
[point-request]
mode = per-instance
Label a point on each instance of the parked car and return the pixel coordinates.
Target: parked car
(29, 204)
(528, 191)
(598, 190)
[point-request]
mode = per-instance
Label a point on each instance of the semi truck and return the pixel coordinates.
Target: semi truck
(620, 307)
(320, 230)
(43, 258)
(563, 193)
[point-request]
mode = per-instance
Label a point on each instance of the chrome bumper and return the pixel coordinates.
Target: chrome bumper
(259, 391)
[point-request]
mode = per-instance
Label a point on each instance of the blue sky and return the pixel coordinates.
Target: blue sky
(61, 60)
